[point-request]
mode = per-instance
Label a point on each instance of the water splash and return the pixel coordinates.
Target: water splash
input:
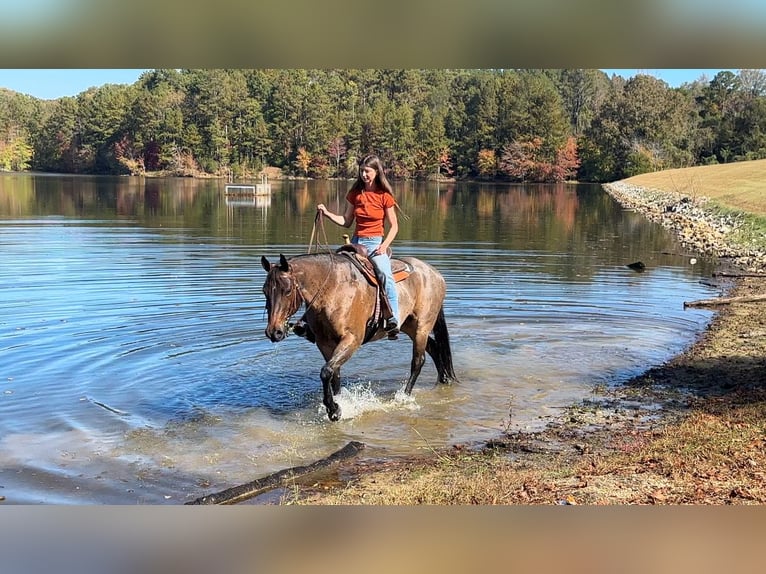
(360, 398)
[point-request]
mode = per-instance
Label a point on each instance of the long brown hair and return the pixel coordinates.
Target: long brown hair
(381, 181)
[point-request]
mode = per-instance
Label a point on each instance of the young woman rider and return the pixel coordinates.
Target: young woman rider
(371, 204)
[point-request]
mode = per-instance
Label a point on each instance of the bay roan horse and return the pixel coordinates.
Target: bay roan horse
(339, 304)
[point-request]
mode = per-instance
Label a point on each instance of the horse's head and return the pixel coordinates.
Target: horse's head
(283, 297)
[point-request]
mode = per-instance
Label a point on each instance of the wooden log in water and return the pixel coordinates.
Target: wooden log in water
(242, 492)
(725, 301)
(730, 274)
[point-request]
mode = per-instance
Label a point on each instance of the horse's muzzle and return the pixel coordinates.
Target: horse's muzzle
(275, 335)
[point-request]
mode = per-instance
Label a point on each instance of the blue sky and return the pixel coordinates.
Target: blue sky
(673, 77)
(52, 84)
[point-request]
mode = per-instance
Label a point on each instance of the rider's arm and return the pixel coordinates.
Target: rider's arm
(344, 220)
(393, 229)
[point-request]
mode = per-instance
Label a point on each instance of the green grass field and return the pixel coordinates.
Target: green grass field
(740, 186)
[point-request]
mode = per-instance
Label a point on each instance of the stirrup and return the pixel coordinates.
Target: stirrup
(392, 328)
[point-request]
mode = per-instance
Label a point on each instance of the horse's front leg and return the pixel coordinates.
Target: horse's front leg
(330, 373)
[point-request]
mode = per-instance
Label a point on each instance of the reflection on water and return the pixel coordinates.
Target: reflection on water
(134, 369)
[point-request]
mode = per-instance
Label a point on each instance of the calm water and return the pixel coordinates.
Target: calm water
(134, 369)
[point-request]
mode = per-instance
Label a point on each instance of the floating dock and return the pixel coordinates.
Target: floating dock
(263, 188)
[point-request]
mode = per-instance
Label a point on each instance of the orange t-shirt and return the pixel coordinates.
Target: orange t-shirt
(370, 211)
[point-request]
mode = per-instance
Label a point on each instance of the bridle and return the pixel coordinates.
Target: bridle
(294, 297)
(294, 293)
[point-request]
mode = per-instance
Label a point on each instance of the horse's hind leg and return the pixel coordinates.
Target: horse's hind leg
(418, 359)
(444, 372)
(432, 350)
(438, 347)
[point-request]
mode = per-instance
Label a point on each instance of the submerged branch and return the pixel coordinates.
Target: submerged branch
(725, 301)
(242, 492)
(729, 274)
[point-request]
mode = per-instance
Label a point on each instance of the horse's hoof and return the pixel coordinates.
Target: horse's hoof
(334, 415)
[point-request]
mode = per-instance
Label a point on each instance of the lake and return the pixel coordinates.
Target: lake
(134, 368)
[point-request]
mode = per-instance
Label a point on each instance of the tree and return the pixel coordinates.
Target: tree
(399, 139)
(57, 138)
(19, 115)
(101, 117)
(15, 154)
(531, 108)
(521, 160)
(582, 92)
(430, 141)
(567, 161)
(645, 115)
(753, 83)
(421, 122)
(155, 124)
(486, 163)
(445, 163)
(303, 160)
(336, 149)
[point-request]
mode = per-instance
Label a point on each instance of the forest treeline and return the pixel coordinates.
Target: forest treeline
(514, 125)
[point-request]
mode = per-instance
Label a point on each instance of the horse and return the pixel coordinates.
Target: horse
(340, 302)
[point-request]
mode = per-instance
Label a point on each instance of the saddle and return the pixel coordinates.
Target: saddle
(358, 255)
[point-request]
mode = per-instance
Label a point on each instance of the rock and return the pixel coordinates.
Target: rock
(697, 227)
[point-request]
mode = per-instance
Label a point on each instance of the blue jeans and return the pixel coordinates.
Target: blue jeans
(383, 264)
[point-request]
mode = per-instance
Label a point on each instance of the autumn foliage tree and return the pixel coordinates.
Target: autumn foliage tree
(445, 163)
(527, 161)
(567, 161)
(303, 160)
(520, 160)
(486, 162)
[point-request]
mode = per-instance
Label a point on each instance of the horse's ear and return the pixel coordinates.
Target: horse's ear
(283, 265)
(265, 263)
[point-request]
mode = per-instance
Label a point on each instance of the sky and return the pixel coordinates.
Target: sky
(673, 77)
(52, 84)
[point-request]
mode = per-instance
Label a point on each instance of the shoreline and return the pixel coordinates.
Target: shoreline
(676, 434)
(698, 227)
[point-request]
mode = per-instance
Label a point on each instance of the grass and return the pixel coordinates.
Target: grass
(739, 186)
(715, 455)
(737, 189)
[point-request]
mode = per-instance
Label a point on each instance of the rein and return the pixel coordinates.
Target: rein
(319, 291)
(318, 218)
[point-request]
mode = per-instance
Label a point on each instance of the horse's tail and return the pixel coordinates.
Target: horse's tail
(442, 353)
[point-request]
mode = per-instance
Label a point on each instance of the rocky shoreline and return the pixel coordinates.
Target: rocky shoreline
(699, 226)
